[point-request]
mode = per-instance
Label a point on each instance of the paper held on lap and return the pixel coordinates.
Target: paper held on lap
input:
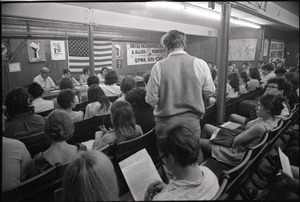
(285, 163)
(139, 172)
(231, 125)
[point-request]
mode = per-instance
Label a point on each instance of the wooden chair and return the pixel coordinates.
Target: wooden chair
(36, 143)
(45, 113)
(85, 129)
(112, 99)
(81, 106)
(38, 188)
(127, 148)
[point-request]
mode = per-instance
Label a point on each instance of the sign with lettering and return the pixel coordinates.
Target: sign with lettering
(146, 53)
(57, 50)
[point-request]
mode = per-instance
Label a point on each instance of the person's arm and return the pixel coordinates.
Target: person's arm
(203, 73)
(153, 189)
(237, 119)
(81, 80)
(248, 135)
(25, 163)
(153, 85)
(75, 82)
(52, 84)
(87, 112)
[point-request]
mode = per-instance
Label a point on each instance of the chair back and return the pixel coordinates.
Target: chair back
(81, 106)
(86, 128)
(45, 113)
(38, 188)
(112, 99)
(36, 143)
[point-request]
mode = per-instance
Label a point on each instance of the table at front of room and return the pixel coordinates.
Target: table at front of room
(51, 95)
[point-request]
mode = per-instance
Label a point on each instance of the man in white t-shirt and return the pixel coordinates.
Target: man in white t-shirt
(40, 105)
(44, 80)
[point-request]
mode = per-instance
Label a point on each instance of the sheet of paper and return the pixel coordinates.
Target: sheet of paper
(139, 171)
(231, 125)
(88, 144)
(285, 163)
(214, 134)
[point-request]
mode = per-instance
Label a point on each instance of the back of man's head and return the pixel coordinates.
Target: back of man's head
(182, 144)
(174, 39)
(92, 80)
(35, 90)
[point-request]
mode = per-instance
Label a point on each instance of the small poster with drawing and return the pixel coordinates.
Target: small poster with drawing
(36, 50)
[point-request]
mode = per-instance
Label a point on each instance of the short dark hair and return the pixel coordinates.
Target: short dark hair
(103, 68)
(111, 78)
(66, 83)
(65, 98)
(92, 80)
(268, 67)
(85, 70)
(65, 71)
(254, 73)
(127, 83)
(280, 71)
(281, 84)
(136, 97)
(182, 144)
(35, 90)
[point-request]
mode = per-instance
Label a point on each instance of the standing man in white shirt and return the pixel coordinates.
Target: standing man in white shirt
(176, 87)
(44, 80)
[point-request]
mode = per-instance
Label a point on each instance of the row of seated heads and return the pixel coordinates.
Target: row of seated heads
(92, 170)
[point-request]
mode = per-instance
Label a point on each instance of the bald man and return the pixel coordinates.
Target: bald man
(44, 80)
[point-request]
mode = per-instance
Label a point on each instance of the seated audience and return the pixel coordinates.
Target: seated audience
(59, 128)
(66, 83)
(90, 177)
(143, 112)
(127, 83)
(67, 74)
(39, 104)
(293, 80)
(110, 86)
(124, 127)
(44, 80)
(21, 118)
(254, 79)
(234, 82)
(98, 102)
(102, 74)
(275, 86)
(67, 101)
(279, 72)
(83, 77)
(92, 80)
(15, 160)
(267, 73)
(269, 106)
(180, 150)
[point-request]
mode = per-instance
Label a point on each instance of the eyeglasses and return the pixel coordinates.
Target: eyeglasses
(45, 72)
(272, 86)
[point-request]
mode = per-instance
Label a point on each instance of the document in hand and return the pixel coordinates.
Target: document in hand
(231, 125)
(285, 163)
(139, 171)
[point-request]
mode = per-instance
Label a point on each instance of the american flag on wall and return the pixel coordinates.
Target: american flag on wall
(79, 54)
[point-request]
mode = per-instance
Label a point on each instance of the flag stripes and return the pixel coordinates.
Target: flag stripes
(79, 54)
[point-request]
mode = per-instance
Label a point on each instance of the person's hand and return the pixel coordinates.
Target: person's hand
(103, 129)
(291, 183)
(153, 189)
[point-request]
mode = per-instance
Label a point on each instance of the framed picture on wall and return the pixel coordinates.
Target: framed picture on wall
(276, 50)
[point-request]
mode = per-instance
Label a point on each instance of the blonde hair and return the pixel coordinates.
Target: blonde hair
(90, 177)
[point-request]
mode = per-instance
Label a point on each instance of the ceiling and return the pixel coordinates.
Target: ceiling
(143, 9)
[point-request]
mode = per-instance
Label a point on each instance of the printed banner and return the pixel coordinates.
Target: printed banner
(138, 54)
(5, 50)
(57, 50)
(36, 50)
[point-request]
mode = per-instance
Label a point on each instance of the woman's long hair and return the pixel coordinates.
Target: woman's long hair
(96, 94)
(234, 81)
(123, 121)
(90, 177)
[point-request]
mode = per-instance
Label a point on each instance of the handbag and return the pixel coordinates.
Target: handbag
(224, 137)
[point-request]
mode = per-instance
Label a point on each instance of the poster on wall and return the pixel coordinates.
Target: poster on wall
(144, 53)
(242, 49)
(5, 47)
(57, 50)
(36, 50)
(276, 50)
